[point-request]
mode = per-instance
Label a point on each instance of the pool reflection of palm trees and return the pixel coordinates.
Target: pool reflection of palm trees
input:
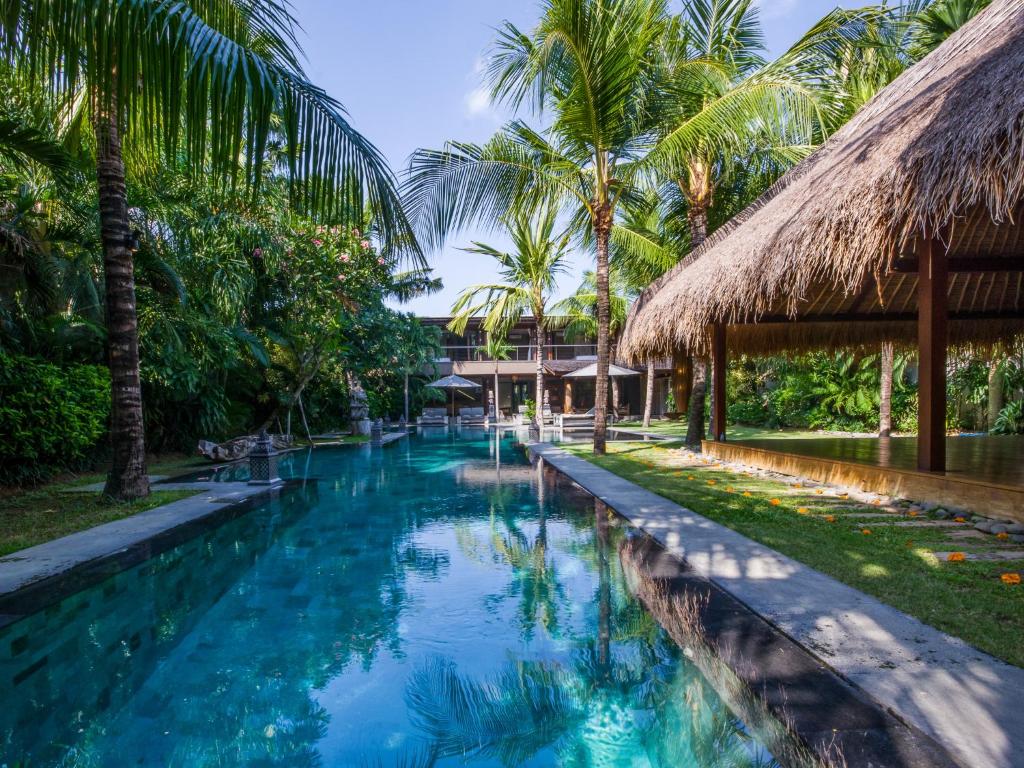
(621, 697)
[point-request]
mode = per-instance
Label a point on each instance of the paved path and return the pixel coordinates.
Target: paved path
(968, 701)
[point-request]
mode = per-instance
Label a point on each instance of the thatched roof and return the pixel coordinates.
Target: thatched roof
(825, 257)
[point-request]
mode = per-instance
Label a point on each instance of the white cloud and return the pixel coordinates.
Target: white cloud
(478, 102)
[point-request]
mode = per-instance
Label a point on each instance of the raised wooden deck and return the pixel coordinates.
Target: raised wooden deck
(986, 474)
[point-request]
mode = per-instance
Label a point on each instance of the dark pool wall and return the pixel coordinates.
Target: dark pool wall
(92, 651)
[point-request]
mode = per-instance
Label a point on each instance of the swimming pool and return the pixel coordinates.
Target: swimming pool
(437, 602)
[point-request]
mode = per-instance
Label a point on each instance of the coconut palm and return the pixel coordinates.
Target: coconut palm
(530, 273)
(725, 108)
(496, 348)
(587, 66)
(215, 81)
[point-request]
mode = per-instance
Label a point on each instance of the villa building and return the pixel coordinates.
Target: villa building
(463, 355)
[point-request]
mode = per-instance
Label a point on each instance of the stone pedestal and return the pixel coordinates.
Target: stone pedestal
(377, 433)
(263, 461)
(361, 427)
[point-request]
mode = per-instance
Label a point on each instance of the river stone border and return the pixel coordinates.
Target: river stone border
(969, 702)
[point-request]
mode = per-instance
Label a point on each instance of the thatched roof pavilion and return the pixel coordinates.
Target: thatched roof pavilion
(829, 256)
(906, 225)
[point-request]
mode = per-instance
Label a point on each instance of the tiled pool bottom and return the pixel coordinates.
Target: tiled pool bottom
(435, 603)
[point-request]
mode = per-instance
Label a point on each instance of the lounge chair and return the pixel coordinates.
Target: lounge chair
(433, 417)
(572, 421)
(472, 416)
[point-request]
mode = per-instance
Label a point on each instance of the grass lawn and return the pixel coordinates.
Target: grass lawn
(895, 564)
(678, 429)
(32, 516)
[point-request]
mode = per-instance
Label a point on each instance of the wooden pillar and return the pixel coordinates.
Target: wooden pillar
(718, 355)
(682, 380)
(567, 396)
(932, 336)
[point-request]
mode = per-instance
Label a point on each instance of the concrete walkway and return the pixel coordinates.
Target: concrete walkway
(968, 701)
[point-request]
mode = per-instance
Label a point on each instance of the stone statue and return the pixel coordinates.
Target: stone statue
(359, 408)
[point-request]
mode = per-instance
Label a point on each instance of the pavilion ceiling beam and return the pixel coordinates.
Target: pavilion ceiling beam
(968, 264)
(891, 317)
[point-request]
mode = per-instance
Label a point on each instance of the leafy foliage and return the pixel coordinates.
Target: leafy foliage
(51, 416)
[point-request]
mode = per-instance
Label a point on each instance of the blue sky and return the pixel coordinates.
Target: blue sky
(408, 71)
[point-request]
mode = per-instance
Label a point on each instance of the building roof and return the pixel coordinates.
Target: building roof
(939, 152)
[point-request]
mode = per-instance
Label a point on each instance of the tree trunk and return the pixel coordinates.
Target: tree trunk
(995, 393)
(127, 479)
(538, 418)
(602, 231)
(649, 399)
(698, 220)
(695, 417)
(885, 397)
(497, 393)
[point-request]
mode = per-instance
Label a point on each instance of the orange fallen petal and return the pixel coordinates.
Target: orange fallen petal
(1003, 536)
(866, 531)
(712, 482)
(830, 518)
(959, 520)
(775, 502)
(1010, 579)
(747, 494)
(803, 511)
(956, 557)
(818, 491)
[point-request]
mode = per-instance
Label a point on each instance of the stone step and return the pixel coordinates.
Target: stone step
(985, 556)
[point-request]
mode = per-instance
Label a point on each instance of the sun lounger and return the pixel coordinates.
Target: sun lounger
(433, 417)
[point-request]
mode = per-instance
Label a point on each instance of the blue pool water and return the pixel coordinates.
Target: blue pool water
(424, 604)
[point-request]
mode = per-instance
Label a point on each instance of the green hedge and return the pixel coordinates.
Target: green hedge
(51, 417)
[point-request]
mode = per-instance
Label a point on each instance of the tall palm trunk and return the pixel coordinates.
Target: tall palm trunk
(602, 231)
(995, 393)
(649, 399)
(698, 220)
(885, 396)
(127, 479)
(497, 403)
(538, 417)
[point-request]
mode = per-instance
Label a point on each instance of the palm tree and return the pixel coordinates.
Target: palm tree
(496, 349)
(530, 274)
(588, 67)
(212, 80)
(726, 108)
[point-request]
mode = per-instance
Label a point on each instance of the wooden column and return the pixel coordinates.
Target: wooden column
(932, 336)
(718, 356)
(682, 380)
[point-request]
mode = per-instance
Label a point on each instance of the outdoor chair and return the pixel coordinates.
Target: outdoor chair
(433, 417)
(472, 416)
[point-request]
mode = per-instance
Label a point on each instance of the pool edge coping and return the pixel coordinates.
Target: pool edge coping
(36, 577)
(669, 524)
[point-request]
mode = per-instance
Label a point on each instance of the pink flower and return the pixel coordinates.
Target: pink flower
(257, 253)
(318, 242)
(364, 244)
(356, 232)
(381, 262)
(341, 278)
(344, 257)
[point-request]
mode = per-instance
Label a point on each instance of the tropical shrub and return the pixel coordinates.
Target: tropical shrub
(51, 416)
(1011, 419)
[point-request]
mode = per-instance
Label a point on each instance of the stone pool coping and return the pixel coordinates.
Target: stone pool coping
(969, 702)
(34, 578)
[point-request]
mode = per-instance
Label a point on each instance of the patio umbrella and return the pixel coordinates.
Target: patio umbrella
(454, 383)
(590, 372)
